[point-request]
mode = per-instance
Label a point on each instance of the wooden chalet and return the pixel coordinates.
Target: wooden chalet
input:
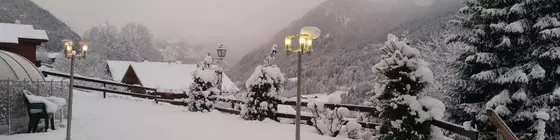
(171, 79)
(21, 39)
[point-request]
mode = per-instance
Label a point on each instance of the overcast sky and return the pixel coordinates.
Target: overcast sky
(238, 24)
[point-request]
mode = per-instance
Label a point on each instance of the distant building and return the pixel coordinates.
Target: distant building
(45, 57)
(21, 39)
(169, 78)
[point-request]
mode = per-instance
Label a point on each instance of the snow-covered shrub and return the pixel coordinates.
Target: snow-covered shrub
(262, 99)
(352, 129)
(510, 64)
(365, 134)
(202, 90)
(399, 77)
(328, 121)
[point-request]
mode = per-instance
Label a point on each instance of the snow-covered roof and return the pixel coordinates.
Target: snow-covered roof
(170, 76)
(11, 33)
(53, 54)
(118, 68)
(227, 84)
(162, 75)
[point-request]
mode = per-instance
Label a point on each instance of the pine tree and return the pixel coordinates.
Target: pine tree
(202, 90)
(399, 78)
(511, 65)
(265, 86)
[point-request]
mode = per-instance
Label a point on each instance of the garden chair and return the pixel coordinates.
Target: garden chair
(36, 112)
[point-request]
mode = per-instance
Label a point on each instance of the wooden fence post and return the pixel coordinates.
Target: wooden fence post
(473, 125)
(9, 107)
(51, 90)
(498, 135)
(104, 92)
(61, 116)
(503, 130)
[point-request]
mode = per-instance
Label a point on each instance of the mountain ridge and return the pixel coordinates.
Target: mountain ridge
(345, 53)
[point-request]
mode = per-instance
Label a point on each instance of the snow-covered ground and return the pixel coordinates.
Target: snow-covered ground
(127, 118)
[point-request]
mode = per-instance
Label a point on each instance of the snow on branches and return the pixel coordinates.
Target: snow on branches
(202, 90)
(402, 67)
(512, 68)
(264, 87)
(399, 77)
(330, 121)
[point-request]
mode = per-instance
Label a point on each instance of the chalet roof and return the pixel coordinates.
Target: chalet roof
(163, 76)
(118, 68)
(227, 84)
(11, 33)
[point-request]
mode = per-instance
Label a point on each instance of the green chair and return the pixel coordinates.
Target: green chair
(36, 112)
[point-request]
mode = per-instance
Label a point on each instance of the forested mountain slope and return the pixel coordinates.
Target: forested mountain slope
(344, 54)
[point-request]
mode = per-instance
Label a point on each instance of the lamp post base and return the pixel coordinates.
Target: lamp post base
(70, 96)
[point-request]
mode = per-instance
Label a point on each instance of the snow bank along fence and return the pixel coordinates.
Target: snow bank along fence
(13, 113)
(472, 134)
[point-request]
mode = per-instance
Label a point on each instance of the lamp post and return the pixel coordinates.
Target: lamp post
(71, 54)
(306, 36)
(221, 51)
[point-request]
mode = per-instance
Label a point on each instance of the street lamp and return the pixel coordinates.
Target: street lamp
(306, 36)
(221, 51)
(71, 54)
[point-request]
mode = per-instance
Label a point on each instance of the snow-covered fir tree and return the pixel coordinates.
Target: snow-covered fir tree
(511, 64)
(264, 87)
(203, 89)
(399, 78)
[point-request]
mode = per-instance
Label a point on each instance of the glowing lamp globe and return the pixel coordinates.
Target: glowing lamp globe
(221, 52)
(288, 43)
(85, 48)
(67, 47)
(313, 32)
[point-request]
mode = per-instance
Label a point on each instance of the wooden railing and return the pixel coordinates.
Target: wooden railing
(95, 80)
(472, 134)
(117, 92)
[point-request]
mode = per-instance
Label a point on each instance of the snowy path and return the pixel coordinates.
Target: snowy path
(127, 118)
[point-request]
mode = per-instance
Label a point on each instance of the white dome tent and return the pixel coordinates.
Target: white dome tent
(16, 75)
(17, 68)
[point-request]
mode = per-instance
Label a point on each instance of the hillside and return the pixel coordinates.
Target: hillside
(345, 53)
(30, 13)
